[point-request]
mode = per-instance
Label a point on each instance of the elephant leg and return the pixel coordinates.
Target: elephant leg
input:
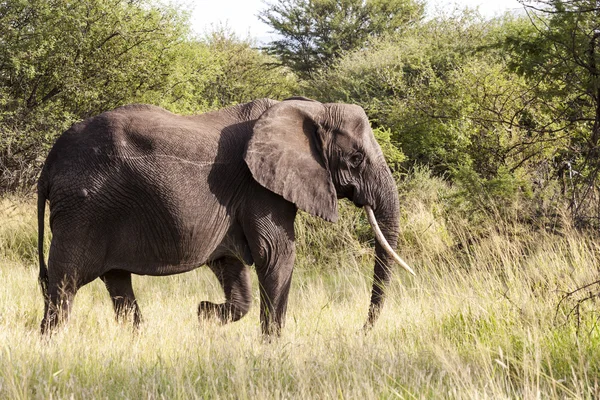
(234, 278)
(118, 283)
(64, 279)
(274, 290)
(270, 234)
(71, 265)
(58, 302)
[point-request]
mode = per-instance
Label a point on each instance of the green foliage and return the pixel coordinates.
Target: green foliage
(391, 150)
(315, 32)
(64, 60)
(403, 83)
(446, 92)
(67, 60)
(245, 74)
(18, 230)
(506, 109)
(559, 54)
(218, 71)
(324, 246)
(506, 194)
(58, 53)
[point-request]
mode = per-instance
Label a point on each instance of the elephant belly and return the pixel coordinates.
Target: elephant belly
(154, 245)
(144, 232)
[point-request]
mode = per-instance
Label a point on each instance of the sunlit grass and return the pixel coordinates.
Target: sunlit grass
(480, 320)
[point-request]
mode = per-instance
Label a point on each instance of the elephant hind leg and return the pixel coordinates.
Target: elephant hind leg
(234, 278)
(63, 283)
(57, 303)
(75, 260)
(118, 283)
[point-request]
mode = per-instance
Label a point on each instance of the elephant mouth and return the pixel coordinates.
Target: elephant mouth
(358, 204)
(352, 193)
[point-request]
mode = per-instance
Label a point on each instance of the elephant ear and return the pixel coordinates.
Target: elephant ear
(285, 155)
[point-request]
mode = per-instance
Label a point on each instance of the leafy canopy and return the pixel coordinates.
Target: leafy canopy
(65, 60)
(559, 54)
(315, 32)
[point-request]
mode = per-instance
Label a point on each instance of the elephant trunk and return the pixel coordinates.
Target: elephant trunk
(384, 219)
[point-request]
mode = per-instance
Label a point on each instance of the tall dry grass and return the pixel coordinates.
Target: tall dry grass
(481, 320)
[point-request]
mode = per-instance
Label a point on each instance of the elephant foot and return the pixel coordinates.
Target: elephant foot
(224, 313)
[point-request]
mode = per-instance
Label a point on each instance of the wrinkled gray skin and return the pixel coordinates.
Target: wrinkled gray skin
(138, 190)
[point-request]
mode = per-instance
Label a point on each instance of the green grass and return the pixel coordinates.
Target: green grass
(479, 321)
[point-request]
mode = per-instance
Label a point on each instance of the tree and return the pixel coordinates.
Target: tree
(65, 60)
(445, 93)
(245, 73)
(315, 32)
(560, 55)
(407, 83)
(59, 51)
(217, 71)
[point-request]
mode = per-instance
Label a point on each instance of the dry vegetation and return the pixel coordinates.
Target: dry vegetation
(481, 320)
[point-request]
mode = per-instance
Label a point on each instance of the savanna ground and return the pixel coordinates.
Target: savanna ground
(482, 319)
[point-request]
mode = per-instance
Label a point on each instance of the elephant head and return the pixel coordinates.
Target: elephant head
(312, 154)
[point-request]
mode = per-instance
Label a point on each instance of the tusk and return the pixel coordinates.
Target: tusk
(383, 242)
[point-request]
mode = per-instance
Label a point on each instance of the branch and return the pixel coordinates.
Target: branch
(576, 309)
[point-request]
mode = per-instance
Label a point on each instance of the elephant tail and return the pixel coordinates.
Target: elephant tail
(41, 210)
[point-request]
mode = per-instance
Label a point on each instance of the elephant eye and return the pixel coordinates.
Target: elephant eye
(356, 159)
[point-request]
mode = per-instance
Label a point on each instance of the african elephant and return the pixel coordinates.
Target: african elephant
(139, 190)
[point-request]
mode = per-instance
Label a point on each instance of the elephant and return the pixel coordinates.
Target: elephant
(140, 190)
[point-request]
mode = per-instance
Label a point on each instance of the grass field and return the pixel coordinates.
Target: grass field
(482, 319)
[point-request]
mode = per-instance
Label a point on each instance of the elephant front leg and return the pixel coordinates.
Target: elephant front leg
(275, 281)
(270, 235)
(234, 278)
